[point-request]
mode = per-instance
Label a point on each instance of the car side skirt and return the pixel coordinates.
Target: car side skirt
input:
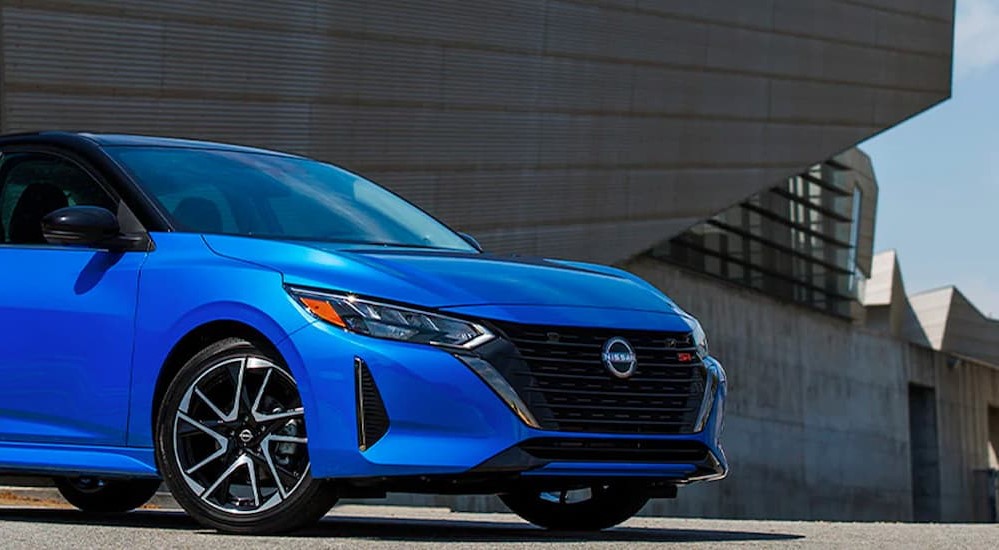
(67, 460)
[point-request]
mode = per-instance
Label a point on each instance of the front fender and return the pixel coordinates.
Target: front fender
(183, 286)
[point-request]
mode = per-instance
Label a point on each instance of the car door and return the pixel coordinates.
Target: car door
(66, 312)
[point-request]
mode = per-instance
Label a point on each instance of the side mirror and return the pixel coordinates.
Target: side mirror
(471, 240)
(81, 225)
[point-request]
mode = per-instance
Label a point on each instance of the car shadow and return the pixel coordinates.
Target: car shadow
(473, 530)
(400, 529)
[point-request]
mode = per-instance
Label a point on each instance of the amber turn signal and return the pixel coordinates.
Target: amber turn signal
(324, 310)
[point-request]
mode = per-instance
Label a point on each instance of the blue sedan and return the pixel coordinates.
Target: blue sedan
(268, 333)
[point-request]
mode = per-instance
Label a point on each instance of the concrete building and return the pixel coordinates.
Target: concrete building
(808, 240)
(593, 129)
(670, 137)
(943, 318)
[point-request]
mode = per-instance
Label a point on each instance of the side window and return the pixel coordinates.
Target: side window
(32, 185)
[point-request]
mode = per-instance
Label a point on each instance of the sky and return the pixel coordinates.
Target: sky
(938, 174)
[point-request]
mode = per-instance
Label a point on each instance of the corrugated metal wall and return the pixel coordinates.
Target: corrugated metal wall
(577, 128)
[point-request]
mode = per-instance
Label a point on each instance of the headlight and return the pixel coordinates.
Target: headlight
(700, 338)
(389, 321)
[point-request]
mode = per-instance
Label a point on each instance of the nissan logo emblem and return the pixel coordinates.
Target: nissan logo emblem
(619, 357)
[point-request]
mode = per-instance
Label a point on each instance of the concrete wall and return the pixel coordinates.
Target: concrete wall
(817, 421)
(818, 418)
(589, 129)
(965, 392)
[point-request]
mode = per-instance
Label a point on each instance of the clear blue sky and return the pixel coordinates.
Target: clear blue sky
(939, 174)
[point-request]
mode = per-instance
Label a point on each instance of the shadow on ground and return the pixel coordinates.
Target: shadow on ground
(397, 529)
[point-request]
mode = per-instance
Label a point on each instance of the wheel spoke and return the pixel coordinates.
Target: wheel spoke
(283, 415)
(254, 486)
(278, 474)
(260, 394)
(275, 469)
(237, 397)
(222, 450)
(218, 412)
(275, 473)
(240, 461)
(219, 438)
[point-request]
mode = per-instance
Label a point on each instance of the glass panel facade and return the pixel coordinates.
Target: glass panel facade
(797, 241)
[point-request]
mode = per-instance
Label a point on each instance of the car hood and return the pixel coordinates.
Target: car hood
(442, 279)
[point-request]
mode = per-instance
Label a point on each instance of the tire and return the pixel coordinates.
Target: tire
(232, 446)
(106, 496)
(605, 507)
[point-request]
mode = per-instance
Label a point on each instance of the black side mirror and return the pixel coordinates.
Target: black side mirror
(81, 225)
(471, 240)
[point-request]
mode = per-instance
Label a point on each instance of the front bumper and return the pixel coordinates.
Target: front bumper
(445, 420)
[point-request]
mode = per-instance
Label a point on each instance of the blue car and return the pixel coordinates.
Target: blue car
(268, 333)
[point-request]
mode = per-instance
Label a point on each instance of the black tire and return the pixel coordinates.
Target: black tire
(606, 507)
(106, 496)
(306, 502)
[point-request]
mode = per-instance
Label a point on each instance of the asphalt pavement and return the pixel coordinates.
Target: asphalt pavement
(353, 526)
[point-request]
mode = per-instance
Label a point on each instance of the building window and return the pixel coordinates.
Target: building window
(797, 241)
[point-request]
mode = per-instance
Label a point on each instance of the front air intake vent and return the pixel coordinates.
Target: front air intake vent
(372, 419)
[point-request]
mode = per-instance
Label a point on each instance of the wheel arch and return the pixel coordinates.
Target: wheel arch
(197, 339)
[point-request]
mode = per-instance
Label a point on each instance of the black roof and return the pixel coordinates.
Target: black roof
(126, 140)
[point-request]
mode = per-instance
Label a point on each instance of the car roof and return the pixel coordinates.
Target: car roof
(130, 140)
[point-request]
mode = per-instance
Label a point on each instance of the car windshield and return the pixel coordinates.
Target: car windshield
(274, 196)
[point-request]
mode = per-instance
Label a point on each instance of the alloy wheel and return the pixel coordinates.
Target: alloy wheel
(239, 436)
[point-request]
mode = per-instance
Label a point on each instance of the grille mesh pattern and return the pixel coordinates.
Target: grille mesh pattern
(559, 374)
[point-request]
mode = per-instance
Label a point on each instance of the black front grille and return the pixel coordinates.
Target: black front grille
(559, 373)
(372, 418)
(615, 450)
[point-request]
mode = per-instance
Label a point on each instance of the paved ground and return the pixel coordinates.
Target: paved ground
(39, 525)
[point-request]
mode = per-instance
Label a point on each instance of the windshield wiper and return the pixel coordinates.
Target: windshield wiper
(407, 245)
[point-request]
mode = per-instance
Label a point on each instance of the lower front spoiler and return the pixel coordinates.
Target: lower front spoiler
(708, 470)
(517, 468)
(524, 460)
